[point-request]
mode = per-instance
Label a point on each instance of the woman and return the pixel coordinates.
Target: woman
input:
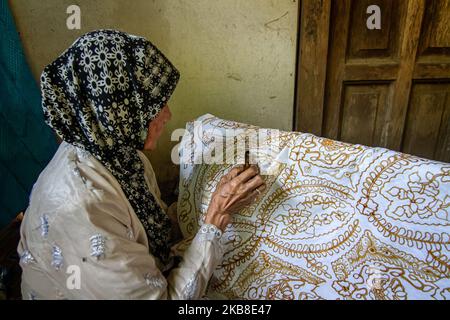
(96, 227)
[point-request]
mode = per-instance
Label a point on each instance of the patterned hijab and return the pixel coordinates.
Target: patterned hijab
(100, 95)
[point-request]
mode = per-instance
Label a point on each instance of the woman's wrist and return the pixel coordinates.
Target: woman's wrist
(214, 220)
(217, 218)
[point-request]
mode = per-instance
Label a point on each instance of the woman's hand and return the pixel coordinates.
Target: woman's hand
(235, 190)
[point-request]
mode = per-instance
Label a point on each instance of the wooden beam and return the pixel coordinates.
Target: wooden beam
(311, 66)
(401, 89)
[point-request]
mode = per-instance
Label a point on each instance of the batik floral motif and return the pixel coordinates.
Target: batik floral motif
(337, 221)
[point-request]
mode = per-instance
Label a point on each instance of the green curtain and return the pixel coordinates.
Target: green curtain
(26, 142)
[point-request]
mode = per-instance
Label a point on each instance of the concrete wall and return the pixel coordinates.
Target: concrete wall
(236, 57)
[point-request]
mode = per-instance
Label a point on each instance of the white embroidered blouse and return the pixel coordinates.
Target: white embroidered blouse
(80, 239)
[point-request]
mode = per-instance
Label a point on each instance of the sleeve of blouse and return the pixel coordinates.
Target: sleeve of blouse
(121, 268)
(190, 279)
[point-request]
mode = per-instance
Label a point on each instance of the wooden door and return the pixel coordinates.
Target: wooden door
(387, 87)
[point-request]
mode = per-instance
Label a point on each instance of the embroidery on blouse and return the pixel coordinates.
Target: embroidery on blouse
(154, 281)
(26, 257)
(57, 258)
(76, 172)
(32, 295)
(191, 288)
(97, 246)
(74, 157)
(89, 184)
(130, 233)
(83, 153)
(71, 155)
(44, 226)
(209, 232)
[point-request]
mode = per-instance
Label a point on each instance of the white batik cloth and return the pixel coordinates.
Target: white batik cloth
(337, 221)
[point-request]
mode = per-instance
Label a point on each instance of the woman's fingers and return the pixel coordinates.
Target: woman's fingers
(235, 171)
(239, 184)
(230, 175)
(260, 189)
(253, 195)
(227, 190)
(256, 191)
(254, 183)
(247, 174)
(239, 174)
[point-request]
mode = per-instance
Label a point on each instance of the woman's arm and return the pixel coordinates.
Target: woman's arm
(127, 270)
(234, 191)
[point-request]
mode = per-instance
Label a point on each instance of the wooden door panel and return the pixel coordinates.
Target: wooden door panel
(340, 17)
(442, 151)
(361, 107)
(312, 65)
(433, 56)
(435, 37)
(387, 87)
(365, 43)
(427, 125)
(360, 55)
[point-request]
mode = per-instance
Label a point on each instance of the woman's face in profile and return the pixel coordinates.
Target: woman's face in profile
(156, 127)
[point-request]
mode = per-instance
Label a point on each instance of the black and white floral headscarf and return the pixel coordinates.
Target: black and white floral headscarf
(100, 95)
